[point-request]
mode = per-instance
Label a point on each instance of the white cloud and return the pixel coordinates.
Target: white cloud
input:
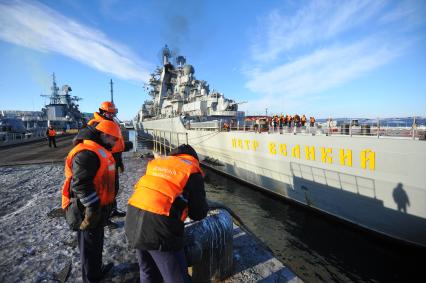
(326, 44)
(38, 27)
(319, 71)
(412, 12)
(322, 69)
(316, 22)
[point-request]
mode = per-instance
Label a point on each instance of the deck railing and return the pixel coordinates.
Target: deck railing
(165, 141)
(346, 128)
(9, 138)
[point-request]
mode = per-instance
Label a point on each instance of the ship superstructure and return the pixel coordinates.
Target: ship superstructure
(175, 91)
(62, 111)
(357, 173)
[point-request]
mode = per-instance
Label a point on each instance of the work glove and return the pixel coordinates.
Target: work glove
(92, 215)
(121, 168)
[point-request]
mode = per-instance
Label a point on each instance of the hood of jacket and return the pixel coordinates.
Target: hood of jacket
(89, 133)
(184, 149)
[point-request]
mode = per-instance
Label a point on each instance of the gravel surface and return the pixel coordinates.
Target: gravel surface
(36, 244)
(37, 151)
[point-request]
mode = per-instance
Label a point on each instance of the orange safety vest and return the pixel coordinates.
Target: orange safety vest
(119, 145)
(163, 182)
(104, 180)
(51, 133)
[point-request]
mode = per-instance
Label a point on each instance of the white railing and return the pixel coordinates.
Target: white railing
(347, 128)
(165, 141)
(223, 113)
(8, 138)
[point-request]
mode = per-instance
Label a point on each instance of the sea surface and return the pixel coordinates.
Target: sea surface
(316, 247)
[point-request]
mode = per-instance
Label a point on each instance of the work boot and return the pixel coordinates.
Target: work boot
(111, 225)
(117, 213)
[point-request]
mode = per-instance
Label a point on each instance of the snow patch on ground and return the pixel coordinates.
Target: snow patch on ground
(35, 246)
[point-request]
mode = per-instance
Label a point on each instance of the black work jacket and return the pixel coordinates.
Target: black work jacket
(85, 165)
(150, 231)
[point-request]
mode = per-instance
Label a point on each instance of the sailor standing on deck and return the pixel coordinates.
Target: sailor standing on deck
(88, 193)
(303, 120)
(311, 121)
(107, 111)
(51, 136)
(171, 190)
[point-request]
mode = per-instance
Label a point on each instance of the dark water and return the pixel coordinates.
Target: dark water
(317, 248)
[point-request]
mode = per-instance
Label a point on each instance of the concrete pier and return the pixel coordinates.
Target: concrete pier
(36, 244)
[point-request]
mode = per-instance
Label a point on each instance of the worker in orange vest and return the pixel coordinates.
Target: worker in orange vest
(107, 111)
(88, 193)
(311, 121)
(296, 120)
(303, 120)
(171, 190)
(51, 136)
(289, 120)
(225, 126)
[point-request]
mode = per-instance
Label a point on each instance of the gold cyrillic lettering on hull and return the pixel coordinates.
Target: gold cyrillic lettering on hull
(345, 158)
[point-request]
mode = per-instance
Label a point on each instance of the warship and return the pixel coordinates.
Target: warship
(62, 112)
(368, 175)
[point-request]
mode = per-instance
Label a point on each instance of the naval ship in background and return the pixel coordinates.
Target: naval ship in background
(369, 175)
(62, 113)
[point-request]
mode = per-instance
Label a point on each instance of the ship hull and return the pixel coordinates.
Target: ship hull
(374, 183)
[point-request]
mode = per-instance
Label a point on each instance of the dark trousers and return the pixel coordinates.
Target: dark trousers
(90, 243)
(52, 140)
(156, 266)
(117, 187)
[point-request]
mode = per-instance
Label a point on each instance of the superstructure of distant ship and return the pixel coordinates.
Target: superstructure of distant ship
(361, 176)
(62, 112)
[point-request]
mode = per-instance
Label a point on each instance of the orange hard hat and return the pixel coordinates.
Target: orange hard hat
(109, 127)
(108, 107)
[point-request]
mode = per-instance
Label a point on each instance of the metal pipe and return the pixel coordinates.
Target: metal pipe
(154, 133)
(414, 127)
(159, 141)
(378, 127)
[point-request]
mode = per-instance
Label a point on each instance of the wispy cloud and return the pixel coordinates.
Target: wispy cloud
(412, 12)
(323, 68)
(316, 22)
(36, 26)
(326, 44)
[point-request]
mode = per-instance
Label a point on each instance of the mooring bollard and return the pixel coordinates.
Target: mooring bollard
(209, 247)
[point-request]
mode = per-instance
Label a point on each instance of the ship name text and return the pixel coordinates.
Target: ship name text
(322, 154)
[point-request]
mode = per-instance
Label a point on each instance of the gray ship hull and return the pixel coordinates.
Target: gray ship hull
(374, 183)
